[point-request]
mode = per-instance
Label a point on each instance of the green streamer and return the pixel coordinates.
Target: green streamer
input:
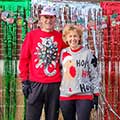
(10, 55)
(6, 73)
(24, 25)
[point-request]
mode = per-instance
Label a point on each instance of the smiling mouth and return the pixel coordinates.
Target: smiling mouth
(48, 24)
(73, 41)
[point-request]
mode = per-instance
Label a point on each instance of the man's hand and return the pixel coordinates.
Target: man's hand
(95, 102)
(26, 88)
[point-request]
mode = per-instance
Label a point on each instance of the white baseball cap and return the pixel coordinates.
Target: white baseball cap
(48, 10)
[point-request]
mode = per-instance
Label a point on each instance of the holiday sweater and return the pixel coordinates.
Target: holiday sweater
(80, 78)
(39, 58)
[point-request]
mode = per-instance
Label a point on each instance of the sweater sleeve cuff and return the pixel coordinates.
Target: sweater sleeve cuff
(97, 94)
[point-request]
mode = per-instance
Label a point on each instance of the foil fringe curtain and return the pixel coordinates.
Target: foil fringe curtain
(86, 15)
(10, 46)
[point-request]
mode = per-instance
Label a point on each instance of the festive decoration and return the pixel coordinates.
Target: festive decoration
(101, 33)
(84, 14)
(47, 55)
(11, 22)
(111, 49)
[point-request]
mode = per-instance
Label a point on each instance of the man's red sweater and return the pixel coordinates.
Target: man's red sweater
(39, 58)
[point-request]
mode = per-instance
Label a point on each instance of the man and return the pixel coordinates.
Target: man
(40, 69)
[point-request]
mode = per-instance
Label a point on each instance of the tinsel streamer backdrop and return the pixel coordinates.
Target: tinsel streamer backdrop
(111, 47)
(10, 13)
(84, 14)
(17, 18)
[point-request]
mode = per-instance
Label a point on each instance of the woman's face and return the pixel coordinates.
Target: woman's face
(73, 39)
(47, 23)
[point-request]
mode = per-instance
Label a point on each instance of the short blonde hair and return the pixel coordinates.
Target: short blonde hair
(69, 28)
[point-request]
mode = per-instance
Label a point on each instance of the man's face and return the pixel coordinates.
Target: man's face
(47, 22)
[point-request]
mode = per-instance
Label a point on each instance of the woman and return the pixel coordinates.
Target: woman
(79, 88)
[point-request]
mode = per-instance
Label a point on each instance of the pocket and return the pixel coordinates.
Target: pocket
(36, 90)
(34, 84)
